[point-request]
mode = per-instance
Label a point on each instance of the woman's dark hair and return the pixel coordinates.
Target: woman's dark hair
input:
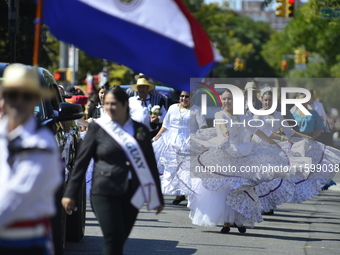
(105, 86)
(120, 95)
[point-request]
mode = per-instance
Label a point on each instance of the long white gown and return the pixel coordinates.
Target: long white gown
(180, 123)
(230, 196)
(296, 190)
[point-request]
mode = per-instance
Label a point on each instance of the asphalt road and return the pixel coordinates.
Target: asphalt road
(310, 228)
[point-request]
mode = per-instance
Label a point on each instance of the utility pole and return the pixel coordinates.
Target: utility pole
(63, 60)
(13, 27)
(63, 55)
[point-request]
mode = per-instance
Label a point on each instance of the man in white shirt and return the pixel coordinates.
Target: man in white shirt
(141, 105)
(154, 93)
(30, 167)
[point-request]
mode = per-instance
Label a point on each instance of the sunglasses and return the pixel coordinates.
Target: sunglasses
(15, 95)
(185, 96)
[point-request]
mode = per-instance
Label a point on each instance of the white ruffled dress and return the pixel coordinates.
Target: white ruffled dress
(295, 190)
(180, 123)
(230, 195)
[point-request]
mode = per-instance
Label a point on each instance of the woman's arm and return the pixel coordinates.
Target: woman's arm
(279, 137)
(223, 128)
(316, 133)
(160, 132)
(265, 138)
(298, 134)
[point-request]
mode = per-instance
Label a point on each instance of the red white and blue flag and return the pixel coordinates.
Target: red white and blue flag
(159, 38)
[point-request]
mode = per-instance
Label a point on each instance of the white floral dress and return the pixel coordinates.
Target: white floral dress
(230, 196)
(295, 190)
(180, 123)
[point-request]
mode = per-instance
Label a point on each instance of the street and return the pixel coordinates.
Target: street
(311, 228)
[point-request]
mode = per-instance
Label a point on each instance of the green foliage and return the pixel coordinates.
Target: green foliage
(120, 75)
(318, 36)
(236, 37)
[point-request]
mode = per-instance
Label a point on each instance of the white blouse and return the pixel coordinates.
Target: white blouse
(182, 118)
(270, 126)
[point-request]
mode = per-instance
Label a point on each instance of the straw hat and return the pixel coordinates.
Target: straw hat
(142, 81)
(23, 78)
(250, 85)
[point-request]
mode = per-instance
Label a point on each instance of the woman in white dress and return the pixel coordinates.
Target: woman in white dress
(228, 196)
(181, 120)
(294, 190)
(278, 191)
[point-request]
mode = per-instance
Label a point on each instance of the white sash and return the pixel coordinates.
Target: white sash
(147, 191)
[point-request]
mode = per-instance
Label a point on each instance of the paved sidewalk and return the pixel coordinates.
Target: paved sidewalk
(311, 228)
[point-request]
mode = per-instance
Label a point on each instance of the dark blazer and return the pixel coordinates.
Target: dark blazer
(93, 111)
(110, 174)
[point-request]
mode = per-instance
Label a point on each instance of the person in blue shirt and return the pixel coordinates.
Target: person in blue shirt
(311, 125)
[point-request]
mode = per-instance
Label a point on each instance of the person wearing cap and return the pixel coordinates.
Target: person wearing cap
(30, 166)
(142, 104)
(78, 95)
(255, 101)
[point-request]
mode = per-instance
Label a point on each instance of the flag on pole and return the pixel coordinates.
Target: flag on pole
(159, 38)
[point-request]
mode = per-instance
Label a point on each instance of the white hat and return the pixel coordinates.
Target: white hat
(141, 75)
(250, 85)
(142, 81)
(264, 90)
(23, 78)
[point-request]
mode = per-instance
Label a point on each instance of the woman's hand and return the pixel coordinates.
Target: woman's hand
(68, 204)
(159, 209)
(154, 119)
(225, 132)
(157, 137)
(288, 140)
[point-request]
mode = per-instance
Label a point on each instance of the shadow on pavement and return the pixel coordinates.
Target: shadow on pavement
(149, 247)
(271, 236)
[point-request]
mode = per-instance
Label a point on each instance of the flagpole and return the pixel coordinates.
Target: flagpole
(37, 32)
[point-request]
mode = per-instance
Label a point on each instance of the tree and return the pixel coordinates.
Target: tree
(235, 36)
(318, 36)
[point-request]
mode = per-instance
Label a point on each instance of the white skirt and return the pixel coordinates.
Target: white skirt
(210, 208)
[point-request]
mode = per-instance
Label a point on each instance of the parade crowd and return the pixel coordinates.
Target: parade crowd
(139, 145)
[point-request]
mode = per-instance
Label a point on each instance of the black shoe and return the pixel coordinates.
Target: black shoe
(177, 201)
(271, 212)
(242, 229)
(225, 230)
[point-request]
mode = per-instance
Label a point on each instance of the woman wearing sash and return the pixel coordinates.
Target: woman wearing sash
(181, 120)
(125, 174)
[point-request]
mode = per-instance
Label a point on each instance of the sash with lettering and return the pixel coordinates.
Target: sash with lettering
(147, 191)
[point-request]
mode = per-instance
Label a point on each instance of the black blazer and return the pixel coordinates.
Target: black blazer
(110, 174)
(93, 111)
